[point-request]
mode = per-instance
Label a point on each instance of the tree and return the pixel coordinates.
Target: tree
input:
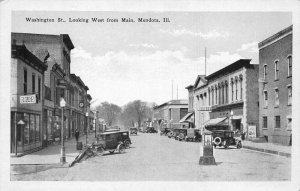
(136, 111)
(109, 112)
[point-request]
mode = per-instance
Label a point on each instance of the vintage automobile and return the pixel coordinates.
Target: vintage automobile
(112, 141)
(225, 138)
(133, 130)
(182, 134)
(164, 131)
(150, 130)
(176, 132)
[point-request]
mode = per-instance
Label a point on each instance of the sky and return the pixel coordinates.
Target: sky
(121, 62)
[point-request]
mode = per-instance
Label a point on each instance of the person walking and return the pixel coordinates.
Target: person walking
(76, 135)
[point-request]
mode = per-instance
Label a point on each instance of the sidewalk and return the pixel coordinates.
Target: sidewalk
(268, 148)
(48, 157)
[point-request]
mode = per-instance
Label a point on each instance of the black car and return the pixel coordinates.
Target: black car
(150, 130)
(226, 138)
(133, 130)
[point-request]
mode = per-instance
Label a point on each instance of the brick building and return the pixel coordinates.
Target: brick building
(171, 112)
(275, 87)
(232, 94)
(56, 50)
(27, 78)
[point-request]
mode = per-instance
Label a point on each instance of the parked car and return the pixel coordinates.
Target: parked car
(182, 133)
(113, 141)
(150, 130)
(165, 131)
(133, 130)
(225, 138)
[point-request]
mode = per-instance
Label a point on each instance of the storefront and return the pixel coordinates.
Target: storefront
(25, 131)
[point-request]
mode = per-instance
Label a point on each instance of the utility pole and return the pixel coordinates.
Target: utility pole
(205, 62)
(177, 92)
(172, 89)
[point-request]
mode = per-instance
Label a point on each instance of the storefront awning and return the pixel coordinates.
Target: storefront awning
(216, 121)
(187, 118)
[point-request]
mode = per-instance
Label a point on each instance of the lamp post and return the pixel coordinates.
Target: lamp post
(229, 115)
(86, 135)
(96, 118)
(62, 104)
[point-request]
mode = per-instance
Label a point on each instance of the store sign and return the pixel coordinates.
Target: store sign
(27, 99)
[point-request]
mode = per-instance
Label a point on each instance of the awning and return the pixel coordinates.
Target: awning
(216, 121)
(187, 118)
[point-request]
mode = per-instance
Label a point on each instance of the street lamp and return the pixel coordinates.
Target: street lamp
(62, 104)
(86, 135)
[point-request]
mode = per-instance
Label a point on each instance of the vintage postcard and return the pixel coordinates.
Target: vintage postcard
(150, 95)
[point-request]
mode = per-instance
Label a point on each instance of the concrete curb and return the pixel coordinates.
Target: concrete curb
(268, 151)
(18, 169)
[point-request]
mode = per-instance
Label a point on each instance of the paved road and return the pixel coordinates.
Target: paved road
(158, 158)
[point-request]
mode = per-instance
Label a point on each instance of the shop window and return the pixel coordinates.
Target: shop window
(37, 128)
(289, 88)
(26, 129)
(277, 121)
(265, 122)
(31, 128)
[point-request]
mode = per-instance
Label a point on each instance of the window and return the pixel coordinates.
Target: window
(289, 123)
(265, 99)
(290, 66)
(232, 92)
(212, 97)
(208, 97)
(33, 83)
(39, 88)
(289, 88)
(26, 129)
(276, 70)
(265, 72)
(241, 87)
(216, 95)
(236, 90)
(32, 129)
(277, 121)
(276, 98)
(25, 81)
(226, 93)
(265, 122)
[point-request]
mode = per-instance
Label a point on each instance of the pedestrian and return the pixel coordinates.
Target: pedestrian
(76, 135)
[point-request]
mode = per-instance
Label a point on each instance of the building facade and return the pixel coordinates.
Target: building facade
(55, 51)
(171, 112)
(275, 87)
(27, 78)
(201, 107)
(233, 98)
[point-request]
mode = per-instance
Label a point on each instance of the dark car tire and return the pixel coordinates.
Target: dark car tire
(111, 152)
(121, 148)
(127, 144)
(239, 145)
(225, 145)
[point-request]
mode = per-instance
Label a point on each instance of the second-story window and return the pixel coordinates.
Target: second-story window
(232, 91)
(25, 81)
(33, 83)
(212, 97)
(39, 87)
(290, 65)
(276, 70)
(289, 88)
(276, 98)
(265, 99)
(265, 72)
(236, 90)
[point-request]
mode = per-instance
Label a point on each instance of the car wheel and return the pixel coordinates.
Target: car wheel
(225, 145)
(127, 144)
(121, 148)
(239, 145)
(100, 151)
(111, 152)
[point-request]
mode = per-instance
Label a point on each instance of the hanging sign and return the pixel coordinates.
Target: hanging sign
(27, 99)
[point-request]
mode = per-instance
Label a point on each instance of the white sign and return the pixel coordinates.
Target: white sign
(252, 131)
(28, 99)
(204, 108)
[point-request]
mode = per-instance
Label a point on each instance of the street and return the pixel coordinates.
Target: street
(158, 158)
